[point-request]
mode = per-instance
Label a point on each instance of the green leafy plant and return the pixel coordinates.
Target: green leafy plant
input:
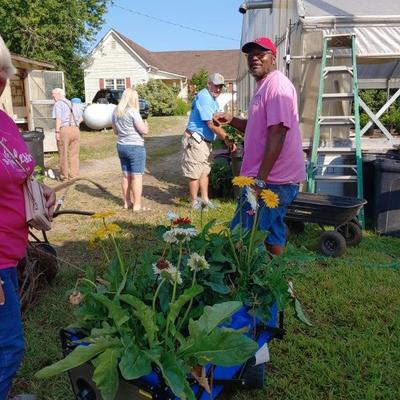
(147, 315)
(169, 311)
(233, 134)
(221, 179)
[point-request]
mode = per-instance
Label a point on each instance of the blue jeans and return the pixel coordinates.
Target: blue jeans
(11, 336)
(132, 158)
(269, 219)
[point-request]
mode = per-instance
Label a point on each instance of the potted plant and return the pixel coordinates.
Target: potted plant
(170, 312)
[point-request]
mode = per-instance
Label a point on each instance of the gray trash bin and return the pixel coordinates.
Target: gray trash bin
(387, 196)
(34, 141)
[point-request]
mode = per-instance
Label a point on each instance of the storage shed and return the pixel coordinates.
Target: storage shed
(27, 96)
(298, 26)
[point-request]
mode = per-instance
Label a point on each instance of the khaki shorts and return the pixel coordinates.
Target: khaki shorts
(196, 157)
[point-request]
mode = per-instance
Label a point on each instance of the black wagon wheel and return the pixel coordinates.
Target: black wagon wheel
(332, 244)
(351, 232)
(294, 227)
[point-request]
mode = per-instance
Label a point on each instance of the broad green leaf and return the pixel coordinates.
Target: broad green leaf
(221, 347)
(212, 317)
(145, 315)
(208, 226)
(300, 313)
(134, 363)
(185, 297)
(175, 376)
(116, 312)
(106, 330)
(105, 374)
(79, 356)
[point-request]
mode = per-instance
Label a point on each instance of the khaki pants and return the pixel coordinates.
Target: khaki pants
(68, 151)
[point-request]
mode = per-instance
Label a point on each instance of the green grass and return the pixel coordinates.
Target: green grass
(96, 145)
(351, 352)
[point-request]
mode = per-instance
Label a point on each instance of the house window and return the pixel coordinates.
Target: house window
(120, 83)
(114, 83)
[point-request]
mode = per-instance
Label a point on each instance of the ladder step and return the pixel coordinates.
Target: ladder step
(337, 96)
(343, 150)
(339, 40)
(338, 68)
(336, 120)
(338, 178)
(335, 35)
(335, 166)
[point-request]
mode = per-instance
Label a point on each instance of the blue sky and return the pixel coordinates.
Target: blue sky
(219, 17)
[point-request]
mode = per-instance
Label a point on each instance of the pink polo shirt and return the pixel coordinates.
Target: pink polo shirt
(274, 102)
(13, 227)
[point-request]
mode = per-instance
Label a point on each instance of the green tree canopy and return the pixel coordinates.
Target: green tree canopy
(55, 31)
(198, 81)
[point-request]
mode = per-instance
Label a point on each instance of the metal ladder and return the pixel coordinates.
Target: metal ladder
(316, 170)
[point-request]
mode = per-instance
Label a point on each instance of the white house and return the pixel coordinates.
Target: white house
(117, 62)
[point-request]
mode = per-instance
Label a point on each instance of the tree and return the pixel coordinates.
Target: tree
(197, 82)
(55, 31)
(161, 97)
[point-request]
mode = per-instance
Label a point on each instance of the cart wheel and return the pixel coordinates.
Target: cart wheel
(332, 244)
(351, 232)
(295, 227)
(254, 375)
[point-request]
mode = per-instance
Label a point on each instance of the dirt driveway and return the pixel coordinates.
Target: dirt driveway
(164, 188)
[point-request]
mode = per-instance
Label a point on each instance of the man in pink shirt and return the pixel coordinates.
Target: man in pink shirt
(272, 142)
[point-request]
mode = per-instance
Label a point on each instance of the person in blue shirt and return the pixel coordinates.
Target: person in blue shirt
(197, 140)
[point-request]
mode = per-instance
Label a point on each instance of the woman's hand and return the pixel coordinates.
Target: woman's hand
(50, 197)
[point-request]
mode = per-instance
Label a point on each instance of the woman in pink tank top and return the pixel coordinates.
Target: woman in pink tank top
(13, 233)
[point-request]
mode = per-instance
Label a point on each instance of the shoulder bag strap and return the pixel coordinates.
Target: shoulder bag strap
(13, 157)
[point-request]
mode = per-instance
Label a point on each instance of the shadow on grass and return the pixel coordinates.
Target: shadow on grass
(98, 193)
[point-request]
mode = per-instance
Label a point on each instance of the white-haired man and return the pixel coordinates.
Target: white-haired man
(198, 137)
(67, 119)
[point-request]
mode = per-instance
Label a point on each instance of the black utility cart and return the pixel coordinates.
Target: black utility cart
(324, 209)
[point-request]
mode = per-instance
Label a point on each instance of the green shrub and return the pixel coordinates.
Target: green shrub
(182, 107)
(364, 119)
(161, 97)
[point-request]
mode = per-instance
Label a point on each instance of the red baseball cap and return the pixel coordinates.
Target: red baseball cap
(263, 42)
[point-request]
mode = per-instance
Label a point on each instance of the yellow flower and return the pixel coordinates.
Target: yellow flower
(102, 215)
(271, 199)
(243, 181)
(107, 230)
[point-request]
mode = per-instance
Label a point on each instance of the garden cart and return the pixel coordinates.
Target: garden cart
(324, 209)
(223, 379)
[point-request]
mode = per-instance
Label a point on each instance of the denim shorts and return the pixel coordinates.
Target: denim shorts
(270, 219)
(11, 337)
(132, 158)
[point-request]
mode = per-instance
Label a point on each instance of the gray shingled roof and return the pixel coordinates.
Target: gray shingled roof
(188, 62)
(349, 8)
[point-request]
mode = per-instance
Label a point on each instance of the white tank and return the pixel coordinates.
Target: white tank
(99, 116)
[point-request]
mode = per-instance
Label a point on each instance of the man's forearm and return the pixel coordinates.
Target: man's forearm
(239, 124)
(58, 124)
(273, 148)
(219, 132)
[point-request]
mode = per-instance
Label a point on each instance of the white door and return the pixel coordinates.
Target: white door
(41, 84)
